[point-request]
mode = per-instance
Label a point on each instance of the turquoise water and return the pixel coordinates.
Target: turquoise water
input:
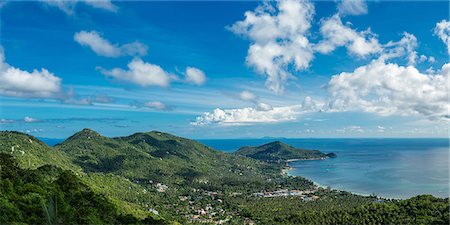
(393, 168)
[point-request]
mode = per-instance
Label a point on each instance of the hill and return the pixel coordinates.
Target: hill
(278, 152)
(50, 195)
(150, 171)
(32, 153)
(155, 177)
(161, 157)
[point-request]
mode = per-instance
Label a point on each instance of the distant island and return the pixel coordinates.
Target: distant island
(159, 178)
(281, 152)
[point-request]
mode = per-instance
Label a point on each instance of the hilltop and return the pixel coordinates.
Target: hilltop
(278, 152)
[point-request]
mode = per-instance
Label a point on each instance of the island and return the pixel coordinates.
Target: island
(278, 151)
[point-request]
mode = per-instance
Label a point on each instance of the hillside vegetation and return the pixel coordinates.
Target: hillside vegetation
(155, 177)
(279, 152)
(50, 195)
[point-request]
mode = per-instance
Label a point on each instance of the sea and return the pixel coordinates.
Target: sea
(390, 168)
(386, 167)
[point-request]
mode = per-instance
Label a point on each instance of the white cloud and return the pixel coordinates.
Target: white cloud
(28, 119)
(141, 73)
(20, 83)
(253, 98)
(336, 34)
(248, 115)
(389, 89)
(156, 105)
(261, 113)
(442, 30)
(103, 47)
(195, 76)
(405, 47)
(102, 4)
(248, 96)
(68, 7)
(278, 39)
(352, 7)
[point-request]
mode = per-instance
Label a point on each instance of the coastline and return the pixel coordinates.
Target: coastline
(288, 168)
(294, 160)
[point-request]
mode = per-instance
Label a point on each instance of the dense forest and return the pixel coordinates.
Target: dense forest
(155, 177)
(50, 195)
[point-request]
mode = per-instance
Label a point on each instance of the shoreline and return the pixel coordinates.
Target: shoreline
(310, 159)
(287, 168)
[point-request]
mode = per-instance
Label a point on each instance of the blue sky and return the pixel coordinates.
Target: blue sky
(226, 69)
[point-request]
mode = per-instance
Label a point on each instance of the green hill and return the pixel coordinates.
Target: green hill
(150, 172)
(159, 157)
(50, 195)
(155, 177)
(33, 153)
(278, 152)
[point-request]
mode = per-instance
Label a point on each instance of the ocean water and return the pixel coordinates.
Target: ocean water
(392, 168)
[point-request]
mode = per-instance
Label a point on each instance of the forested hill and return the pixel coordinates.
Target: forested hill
(279, 152)
(161, 157)
(155, 177)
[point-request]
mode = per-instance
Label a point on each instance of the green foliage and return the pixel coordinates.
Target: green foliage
(345, 208)
(279, 152)
(49, 195)
(31, 152)
(92, 179)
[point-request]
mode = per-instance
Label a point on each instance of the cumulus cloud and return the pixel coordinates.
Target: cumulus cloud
(103, 47)
(195, 76)
(352, 7)
(389, 89)
(68, 7)
(278, 39)
(19, 83)
(261, 113)
(141, 73)
(248, 115)
(406, 46)
(336, 34)
(442, 30)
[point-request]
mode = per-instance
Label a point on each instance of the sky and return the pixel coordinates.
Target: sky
(228, 69)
